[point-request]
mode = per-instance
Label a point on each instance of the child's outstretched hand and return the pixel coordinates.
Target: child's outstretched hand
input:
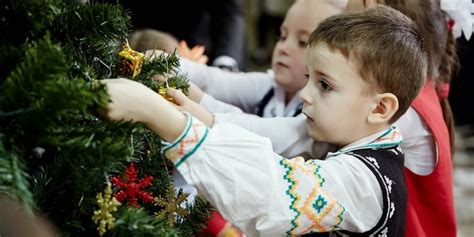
(184, 103)
(195, 54)
(133, 101)
(195, 93)
(129, 100)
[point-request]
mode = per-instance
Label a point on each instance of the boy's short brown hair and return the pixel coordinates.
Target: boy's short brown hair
(386, 47)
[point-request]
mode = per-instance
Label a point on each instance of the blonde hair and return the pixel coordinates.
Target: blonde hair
(146, 39)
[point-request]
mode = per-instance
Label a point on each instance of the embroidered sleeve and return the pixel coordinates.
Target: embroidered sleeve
(315, 209)
(187, 143)
(265, 194)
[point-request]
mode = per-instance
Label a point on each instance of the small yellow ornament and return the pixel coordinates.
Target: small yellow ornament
(132, 61)
(162, 91)
(108, 205)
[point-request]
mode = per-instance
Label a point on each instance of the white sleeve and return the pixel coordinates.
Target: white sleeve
(418, 143)
(289, 135)
(215, 106)
(266, 195)
(244, 90)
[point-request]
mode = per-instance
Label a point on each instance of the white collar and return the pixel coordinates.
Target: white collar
(387, 138)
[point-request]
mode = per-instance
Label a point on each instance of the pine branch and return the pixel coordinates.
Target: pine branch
(136, 222)
(35, 68)
(166, 66)
(200, 213)
(53, 138)
(91, 30)
(10, 55)
(26, 19)
(14, 179)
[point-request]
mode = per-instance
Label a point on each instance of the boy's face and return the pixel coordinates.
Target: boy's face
(336, 99)
(289, 54)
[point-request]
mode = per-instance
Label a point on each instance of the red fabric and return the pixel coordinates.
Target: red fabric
(215, 223)
(218, 226)
(430, 206)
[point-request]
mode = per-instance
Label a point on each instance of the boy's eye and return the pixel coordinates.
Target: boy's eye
(282, 38)
(324, 86)
(303, 43)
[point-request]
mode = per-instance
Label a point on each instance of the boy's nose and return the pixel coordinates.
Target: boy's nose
(307, 100)
(283, 47)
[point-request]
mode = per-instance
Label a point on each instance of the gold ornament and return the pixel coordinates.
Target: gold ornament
(108, 205)
(132, 61)
(162, 91)
(172, 206)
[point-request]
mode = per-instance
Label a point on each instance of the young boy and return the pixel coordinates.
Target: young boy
(364, 71)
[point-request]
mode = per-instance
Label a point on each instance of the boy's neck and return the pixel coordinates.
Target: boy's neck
(371, 130)
(288, 96)
(362, 138)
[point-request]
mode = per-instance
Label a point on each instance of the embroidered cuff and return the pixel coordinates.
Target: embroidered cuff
(187, 143)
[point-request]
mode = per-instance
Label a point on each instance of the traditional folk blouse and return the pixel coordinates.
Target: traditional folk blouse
(358, 189)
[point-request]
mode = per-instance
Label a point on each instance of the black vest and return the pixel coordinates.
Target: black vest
(263, 103)
(387, 166)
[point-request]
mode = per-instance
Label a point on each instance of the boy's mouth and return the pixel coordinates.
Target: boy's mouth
(308, 118)
(280, 64)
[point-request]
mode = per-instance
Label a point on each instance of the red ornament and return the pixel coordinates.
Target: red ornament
(451, 23)
(131, 189)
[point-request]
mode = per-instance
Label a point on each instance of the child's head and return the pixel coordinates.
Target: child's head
(147, 39)
(289, 54)
(364, 71)
(438, 40)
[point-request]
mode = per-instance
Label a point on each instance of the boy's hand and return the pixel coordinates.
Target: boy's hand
(134, 101)
(130, 100)
(186, 104)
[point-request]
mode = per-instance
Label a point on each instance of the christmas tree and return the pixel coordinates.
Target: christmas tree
(88, 176)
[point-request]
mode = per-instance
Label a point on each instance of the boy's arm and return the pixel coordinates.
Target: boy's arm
(133, 101)
(267, 195)
(237, 171)
(288, 134)
(244, 90)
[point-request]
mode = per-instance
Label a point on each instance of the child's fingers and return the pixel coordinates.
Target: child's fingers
(183, 49)
(177, 95)
(203, 59)
(197, 51)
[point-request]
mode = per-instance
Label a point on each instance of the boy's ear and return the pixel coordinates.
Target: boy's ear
(386, 105)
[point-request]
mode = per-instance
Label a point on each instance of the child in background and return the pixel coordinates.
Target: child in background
(348, 100)
(146, 39)
(271, 94)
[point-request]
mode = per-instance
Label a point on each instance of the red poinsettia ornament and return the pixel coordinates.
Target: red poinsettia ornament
(131, 189)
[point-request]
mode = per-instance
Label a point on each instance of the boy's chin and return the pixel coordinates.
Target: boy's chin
(312, 133)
